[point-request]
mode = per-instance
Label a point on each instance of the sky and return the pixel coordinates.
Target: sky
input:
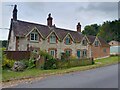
(65, 14)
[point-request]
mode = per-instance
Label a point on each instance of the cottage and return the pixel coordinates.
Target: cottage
(28, 36)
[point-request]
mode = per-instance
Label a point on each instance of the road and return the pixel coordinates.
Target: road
(104, 77)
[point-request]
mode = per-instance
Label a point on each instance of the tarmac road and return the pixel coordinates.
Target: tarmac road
(104, 77)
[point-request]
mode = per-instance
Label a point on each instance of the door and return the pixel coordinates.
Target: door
(78, 53)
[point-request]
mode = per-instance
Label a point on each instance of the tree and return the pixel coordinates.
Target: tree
(108, 30)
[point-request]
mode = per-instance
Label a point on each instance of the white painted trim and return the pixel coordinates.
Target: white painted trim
(67, 35)
(51, 33)
(84, 38)
(35, 28)
(95, 40)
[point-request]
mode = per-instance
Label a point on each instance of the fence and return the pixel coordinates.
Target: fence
(17, 55)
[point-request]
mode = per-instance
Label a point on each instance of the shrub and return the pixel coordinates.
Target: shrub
(50, 64)
(31, 63)
(7, 63)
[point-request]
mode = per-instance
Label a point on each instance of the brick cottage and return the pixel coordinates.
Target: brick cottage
(28, 36)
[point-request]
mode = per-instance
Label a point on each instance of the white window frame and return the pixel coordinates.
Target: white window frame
(83, 53)
(34, 33)
(52, 38)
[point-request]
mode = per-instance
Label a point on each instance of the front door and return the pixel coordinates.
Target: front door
(78, 53)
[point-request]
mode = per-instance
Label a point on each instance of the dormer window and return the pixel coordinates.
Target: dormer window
(53, 38)
(84, 42)
(34, 36)
(96, 43)
(67, 41)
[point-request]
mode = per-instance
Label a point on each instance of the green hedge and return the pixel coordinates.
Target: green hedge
(74, 63)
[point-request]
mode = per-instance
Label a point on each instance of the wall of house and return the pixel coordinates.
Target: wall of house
(59, 46)
(98, 52)
(92, 50)
(12, 42)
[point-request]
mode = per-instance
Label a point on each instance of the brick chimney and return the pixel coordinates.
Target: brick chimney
(78, 27)
(49, 20)
(15, 13)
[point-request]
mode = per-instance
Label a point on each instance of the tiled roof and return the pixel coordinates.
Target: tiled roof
(103, 42)
(22, 28)
(91, 38)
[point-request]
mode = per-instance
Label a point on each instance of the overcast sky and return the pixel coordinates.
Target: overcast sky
(65, 14)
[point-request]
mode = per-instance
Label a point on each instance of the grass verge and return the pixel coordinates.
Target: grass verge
(8, 75)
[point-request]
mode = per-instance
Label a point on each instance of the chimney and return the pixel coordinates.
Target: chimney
(49, 20)
(15, 13)
(79, 27)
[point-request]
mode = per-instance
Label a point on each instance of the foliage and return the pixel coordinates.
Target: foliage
(91, 29)
(30, 63)
(50, 64)
(4, 43)
(108, 30)
(73, 63)
(10, 75)
(45, 55)
(65, 56)
(7, 63)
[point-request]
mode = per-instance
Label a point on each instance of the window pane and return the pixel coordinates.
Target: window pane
(32, 36)
(52, 52)
(67, 40)
(53, 39)
(36, 36)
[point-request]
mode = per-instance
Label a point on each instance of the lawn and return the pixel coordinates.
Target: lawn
(8, 75)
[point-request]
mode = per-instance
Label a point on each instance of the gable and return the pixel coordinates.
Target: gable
(96, 42)
(51, 33)
(34, 30)
(85, 39)
(68, 35)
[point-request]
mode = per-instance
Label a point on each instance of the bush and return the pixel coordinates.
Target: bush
(30, 63)
(50, 64)
(7, 63)
(73, 63)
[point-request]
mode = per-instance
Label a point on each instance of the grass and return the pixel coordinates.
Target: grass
(8, 75)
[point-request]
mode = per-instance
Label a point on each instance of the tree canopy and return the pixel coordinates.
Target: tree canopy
(108, 30)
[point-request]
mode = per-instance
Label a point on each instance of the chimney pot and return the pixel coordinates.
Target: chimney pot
(49, 20)
(15, 13)
(78, 27)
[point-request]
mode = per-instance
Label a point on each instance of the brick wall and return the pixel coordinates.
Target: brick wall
(100, 51)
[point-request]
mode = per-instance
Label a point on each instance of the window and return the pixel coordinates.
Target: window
(68, 52)
(67, 40)
(34, 37)
(84, 53)
(52, 38)
(52, 52)
(84, 42)
(96, 43)
(104, 50)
